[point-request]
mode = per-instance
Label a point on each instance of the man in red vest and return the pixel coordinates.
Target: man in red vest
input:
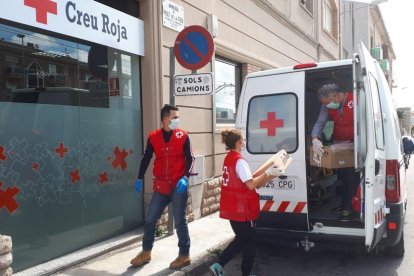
(337, 106)
(172, 167)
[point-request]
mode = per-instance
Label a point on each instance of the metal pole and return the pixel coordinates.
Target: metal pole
(172, 102)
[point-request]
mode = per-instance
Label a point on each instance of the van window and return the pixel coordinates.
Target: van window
(272, 123)
(378, 123)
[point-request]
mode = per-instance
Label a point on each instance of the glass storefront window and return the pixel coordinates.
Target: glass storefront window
(70, 141)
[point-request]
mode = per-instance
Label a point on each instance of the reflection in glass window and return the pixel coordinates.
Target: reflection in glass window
(272, 123)
(379, 128)
(227, 90)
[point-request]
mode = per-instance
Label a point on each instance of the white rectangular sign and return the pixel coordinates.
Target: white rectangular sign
(193, 84)
(172, 15)
(84, 19)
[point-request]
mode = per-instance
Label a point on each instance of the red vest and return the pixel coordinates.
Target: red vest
(343, 123)
(237, 202)
(169, 164)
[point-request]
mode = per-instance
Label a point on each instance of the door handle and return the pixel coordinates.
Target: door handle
(377, 166)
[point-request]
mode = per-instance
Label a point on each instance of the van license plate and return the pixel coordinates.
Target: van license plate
(283, 184)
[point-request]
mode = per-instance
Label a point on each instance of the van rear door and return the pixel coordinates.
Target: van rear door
(272, 118)
(370, 146)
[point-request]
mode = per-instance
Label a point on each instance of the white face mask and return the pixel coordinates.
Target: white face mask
(174, 124)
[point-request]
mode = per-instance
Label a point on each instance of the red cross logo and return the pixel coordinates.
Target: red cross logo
(351, 104)
(43, 7)
(75, 176)
(225, 176)
(103, 177)
(179, 134)
(61, 150)
(2, 155)
(35, 167)
(7, 198)
(119, 159)
(271, 123)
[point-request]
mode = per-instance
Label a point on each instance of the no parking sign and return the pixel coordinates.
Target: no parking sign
(194, 47)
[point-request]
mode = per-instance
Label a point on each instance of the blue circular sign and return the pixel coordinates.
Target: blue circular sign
(194, 47)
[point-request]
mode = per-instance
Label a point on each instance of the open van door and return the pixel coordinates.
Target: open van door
(271, 115)
(369, 146)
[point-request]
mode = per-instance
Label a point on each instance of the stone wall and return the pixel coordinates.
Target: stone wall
(211, 197)
(6, 257)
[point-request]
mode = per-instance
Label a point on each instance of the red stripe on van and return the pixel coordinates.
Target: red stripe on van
(299, 207)
(267, 206)
(283, 206)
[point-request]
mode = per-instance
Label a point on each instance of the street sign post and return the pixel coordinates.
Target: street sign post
(194, 47)
(193, 84)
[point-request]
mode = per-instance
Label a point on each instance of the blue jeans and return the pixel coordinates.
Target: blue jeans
(156, 207)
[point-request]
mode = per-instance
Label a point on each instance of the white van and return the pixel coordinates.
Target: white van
(277, 110)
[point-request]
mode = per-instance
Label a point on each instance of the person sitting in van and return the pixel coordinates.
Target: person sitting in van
(337, 106)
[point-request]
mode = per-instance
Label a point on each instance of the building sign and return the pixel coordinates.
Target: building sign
(193, 84)
(172, 15)
(84, 19)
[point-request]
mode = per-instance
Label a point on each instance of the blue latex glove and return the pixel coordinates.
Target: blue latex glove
(138, 185)
(182, 185)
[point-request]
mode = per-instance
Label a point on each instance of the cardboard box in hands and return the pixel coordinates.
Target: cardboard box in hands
(281, 159)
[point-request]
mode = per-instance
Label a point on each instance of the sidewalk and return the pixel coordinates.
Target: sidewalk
(206, 234)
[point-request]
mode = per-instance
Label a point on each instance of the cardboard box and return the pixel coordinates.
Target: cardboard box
(335, 156)
(281, 159)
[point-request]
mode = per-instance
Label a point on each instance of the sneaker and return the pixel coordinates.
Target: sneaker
(142, 258)
(346, 215)
(337, 210)
(180, 262)
(216, 270)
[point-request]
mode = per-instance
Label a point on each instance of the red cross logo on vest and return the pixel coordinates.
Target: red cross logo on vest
(271, 123)
(179, 134)
(225, 176)
(43, 7)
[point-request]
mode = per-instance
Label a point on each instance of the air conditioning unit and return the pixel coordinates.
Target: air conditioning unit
(198, 170)
(376, 53)
(385, 65)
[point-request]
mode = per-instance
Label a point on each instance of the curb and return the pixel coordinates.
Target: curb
(200, 265)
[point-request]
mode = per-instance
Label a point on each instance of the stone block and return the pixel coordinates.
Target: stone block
(6, 271)
(5, 244)
(6, 260)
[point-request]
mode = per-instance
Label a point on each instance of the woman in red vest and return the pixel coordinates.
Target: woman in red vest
(337, 106)
(239, 202)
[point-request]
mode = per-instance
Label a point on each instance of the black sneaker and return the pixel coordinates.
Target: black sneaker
(337, 210)
(346, 215)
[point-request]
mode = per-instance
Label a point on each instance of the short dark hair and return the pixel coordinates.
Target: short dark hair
(166, 110)
(328, 89)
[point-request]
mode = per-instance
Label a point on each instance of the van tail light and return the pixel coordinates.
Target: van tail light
(392, 189)
(304, 66)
